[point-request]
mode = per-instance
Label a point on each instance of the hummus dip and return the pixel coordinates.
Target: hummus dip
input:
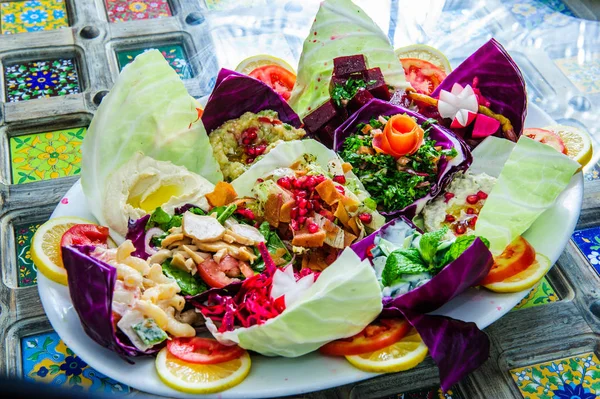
(458, 207)
(238, 143)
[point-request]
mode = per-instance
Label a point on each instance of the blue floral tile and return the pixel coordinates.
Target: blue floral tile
(582, 73)
(532, 14)
(593, 174)
(588, 242)
(576, 377)
(47, 359)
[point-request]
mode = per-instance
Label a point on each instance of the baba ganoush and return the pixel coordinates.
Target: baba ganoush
(238, 143)
(459, 206)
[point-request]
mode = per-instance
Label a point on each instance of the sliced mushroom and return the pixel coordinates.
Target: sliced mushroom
(228, 238)
(160, 257)
(219, 255)
(197, 257)
(246, 234)
(191, 266)
(246, 255)
(202, 228)
(179, 262)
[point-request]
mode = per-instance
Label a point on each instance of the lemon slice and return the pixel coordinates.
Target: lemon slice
(403, 355)
(256, 61)
(426, 53)
(524, 280)
(45, 246)
(201, 378)
(578, 142)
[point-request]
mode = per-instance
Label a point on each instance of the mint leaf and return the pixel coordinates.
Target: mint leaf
(429, 243)
(459, 246)
(190, 285)
(402, 261)
(159, 218)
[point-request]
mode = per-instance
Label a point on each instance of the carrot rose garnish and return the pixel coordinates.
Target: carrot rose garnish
(401, 136)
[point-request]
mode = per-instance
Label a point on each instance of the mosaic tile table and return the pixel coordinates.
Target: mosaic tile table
(62, 57)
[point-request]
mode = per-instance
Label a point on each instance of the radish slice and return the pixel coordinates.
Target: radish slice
(484, 126)
(463, 119)
(153, 232)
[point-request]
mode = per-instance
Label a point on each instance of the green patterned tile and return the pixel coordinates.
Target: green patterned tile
(576, 377)
(541, 294)
(174, 54)
(45, 156)
(27, 273)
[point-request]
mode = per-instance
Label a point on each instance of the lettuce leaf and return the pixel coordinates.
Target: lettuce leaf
(529, 183)
(91, 286)
(344, 299)
(499, 80)
(148, 110)
(235, 94)
(340, 29)
(442, 136)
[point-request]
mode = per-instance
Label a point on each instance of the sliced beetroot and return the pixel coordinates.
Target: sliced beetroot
(484, 126)
(320, 117)
(376, 84)
(345, 66)
(361, 97)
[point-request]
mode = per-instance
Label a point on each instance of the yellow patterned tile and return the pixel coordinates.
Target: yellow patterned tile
(32, 16)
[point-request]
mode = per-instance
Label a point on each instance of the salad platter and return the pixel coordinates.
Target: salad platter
(300, 232)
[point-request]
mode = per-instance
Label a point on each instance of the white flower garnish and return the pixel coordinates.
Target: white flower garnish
(460, 104)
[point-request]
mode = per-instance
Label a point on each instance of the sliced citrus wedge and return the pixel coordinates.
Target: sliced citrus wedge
(425, 53)
(525, 279)
(403, 355)
(201, 378)
(577, 142)
(45, 246)
(251, 63)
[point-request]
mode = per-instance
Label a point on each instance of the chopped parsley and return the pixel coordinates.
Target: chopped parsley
(394, 186)
(347, 90)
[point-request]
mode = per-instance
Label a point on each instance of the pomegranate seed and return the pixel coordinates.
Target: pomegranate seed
(316, 196)
(448, 196)
(313, 228)
(302, 211)
(316, 205)
(309, 205)
(300, 194)
(472, 199)
(294, 224)
(472, 222)
(470, 211)
(301, 219)
(250, 150)
(246, 141)
(365, 218)
(460, 229)
(302, 203)
(294, 212)
(264, 119)
(320, 178)
(259, 180)
(341, 179)
(449, 218)
(482, 195)
(310, 182)
(276, 122)
(340, 189)
(297, 183)
(252, 135)
(247, 213)
(285, 182)
(249, 160)
(260, 149)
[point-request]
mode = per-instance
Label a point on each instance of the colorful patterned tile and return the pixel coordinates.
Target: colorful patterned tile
(174, 54)
(547, 14)
(593, 173)
(44, 156)
(569, 378)
(47, 359)
(27, 273)
(583, 74)
(541, 294)
(428, 393)
(40, 79)
(128, 10)
(588, 242)
(32, 16)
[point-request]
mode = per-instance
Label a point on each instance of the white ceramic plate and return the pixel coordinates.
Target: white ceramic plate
(281, 376)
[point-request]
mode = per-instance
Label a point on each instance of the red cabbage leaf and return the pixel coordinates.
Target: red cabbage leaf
(442, 136)
(91, 286)
(136, 232)
(498, 78)
(235, 94)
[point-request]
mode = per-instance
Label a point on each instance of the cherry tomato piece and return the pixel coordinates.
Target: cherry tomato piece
(85, 234)
(277, 77)
(375, 336)
(422, 75)
(202, 350)
(546, 137)
(517, 256)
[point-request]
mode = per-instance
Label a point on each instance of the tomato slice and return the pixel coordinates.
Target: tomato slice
(212, 274)
(202, 350)
(375, 336)
(277, 77)
(422, 75)
(546, 137)
(85, 234)
(517, 256)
